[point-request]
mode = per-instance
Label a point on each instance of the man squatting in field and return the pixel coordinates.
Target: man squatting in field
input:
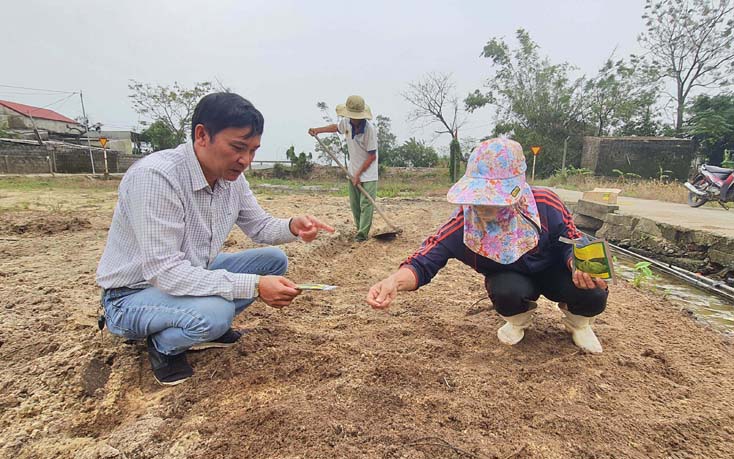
(162, 275)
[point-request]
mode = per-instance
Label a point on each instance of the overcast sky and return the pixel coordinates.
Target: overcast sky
(285, 56)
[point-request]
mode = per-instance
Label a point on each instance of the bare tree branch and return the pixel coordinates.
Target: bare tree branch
(692, 40)
(434, 101)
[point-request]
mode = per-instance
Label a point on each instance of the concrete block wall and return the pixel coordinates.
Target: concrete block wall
(11, 163)
(640, 155)
(23, 158)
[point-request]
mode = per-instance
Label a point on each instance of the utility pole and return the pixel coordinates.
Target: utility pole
(35, 128)
(563, 162)
(86, 126)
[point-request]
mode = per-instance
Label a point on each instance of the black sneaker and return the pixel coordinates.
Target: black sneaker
(168, 370)
(228, 339)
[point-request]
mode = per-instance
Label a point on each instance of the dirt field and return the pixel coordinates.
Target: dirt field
(328, 376)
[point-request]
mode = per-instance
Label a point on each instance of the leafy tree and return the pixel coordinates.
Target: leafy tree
(534, 99)
(7, 134)
(690, 42)
(172, 106)
(160, 136)
(645, 123)
(468, 144)
(620, 99)
(386, 141)
(301, 165)
(415, 153)
(711, 122)
(332, 141)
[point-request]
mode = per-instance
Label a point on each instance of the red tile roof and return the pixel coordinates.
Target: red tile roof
(35, 112)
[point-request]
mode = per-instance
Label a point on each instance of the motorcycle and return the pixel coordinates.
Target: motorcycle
(711, 183)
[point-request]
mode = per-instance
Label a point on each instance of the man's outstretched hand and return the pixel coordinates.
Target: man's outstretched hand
(307, 227)
(277, 291)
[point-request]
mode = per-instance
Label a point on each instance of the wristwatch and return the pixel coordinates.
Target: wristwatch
(257, 286)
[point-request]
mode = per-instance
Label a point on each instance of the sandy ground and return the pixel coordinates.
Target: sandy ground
(329, 377)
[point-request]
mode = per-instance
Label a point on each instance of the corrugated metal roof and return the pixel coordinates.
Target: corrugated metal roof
(35, 112)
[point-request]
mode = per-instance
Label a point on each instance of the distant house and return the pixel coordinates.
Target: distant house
(21, 117)
(127, 142)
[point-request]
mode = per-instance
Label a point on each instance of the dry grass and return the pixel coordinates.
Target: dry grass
(661, 190)
(393, 182)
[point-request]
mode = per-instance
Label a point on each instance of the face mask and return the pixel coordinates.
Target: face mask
(502, 234)
(486, 213)
(489, 214)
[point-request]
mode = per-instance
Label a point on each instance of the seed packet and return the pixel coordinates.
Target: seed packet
(592, 256)
(309, 286)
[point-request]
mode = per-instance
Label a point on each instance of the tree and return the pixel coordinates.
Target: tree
(711, 123)
(534, 100)
(301, 165)
(160, 136)
(7, 134)
(386, 141)
(620, 99)
(172, 106)
(434, 101)
(454, 159)
(691, 42)
(415, 153)
(332, 141)
(467, 146)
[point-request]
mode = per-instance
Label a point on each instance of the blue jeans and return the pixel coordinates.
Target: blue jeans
(176, 323)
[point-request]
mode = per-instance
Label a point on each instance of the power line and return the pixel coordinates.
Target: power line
(36, 89)
(63, 99)
(28, 94)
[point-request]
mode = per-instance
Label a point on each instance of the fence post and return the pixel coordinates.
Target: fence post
(7, 165)
(106, 170)
(91, 159)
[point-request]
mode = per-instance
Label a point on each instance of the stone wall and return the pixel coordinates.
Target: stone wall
(644, 156)
(31, 158)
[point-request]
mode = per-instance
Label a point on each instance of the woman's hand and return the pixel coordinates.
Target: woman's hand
(584, 281)
(382, 293)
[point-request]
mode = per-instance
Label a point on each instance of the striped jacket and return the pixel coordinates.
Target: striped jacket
(448, 242)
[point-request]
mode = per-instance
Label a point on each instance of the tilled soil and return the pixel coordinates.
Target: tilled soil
(330, 377)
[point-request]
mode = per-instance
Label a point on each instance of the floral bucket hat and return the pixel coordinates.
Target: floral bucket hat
(495, 177)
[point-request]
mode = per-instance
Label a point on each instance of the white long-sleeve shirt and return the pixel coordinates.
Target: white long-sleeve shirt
(169, 226)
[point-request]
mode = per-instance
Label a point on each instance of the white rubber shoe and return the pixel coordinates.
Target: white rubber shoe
(513, 331)
(581, 332)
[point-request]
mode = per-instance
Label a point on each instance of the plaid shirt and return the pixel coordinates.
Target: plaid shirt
(169, 226)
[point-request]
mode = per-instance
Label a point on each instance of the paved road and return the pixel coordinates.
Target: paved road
(711, 219)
